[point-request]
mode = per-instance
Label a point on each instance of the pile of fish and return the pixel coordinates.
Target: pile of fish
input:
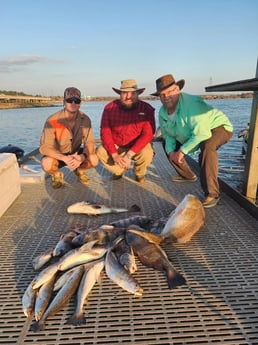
(75, 264)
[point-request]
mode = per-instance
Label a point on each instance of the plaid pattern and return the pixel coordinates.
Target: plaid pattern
(132, 129)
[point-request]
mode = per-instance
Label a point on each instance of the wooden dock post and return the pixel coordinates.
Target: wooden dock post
(250, 182)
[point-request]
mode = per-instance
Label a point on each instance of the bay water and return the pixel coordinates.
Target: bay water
(22, 127)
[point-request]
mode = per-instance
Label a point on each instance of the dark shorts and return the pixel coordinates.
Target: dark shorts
(61, 164)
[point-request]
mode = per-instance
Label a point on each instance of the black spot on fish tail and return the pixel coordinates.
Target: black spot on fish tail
(76, 320)
(134, 208)
(174, 279)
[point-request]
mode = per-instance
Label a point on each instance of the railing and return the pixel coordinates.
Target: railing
(250, 182)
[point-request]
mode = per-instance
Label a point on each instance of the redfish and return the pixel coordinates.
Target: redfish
(185, 220)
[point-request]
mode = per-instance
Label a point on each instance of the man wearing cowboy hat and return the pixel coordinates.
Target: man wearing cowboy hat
(127, 128)
(187, 124)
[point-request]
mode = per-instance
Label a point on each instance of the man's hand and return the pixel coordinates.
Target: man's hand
(72, 161)
(176, 156)
(123, 162)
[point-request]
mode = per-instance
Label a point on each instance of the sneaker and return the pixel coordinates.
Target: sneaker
(82, 176)
(58, 180)
(182, 179)
(115, 177)
(209, 201)
(140, 179)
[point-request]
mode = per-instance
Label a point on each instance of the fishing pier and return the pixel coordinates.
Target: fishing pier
(217, 305)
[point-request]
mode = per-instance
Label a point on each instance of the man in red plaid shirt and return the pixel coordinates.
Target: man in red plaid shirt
(127, 129)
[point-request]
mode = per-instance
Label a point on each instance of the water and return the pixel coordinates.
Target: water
(22, 128)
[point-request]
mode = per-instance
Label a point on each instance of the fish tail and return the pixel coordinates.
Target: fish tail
(174, 279)
(76, 319)
(37, 326)
(134, 208)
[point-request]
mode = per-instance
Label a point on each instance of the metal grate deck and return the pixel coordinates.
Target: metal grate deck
(218, 305)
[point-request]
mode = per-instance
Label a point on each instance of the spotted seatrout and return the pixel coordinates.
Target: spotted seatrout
(119, 275)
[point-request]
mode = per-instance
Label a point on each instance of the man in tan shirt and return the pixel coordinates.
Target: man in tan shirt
(63, 134)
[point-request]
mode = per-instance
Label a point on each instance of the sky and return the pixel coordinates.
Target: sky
(47, 46)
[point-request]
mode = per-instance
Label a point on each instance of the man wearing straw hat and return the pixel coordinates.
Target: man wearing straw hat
(187, 124)
(127, 129)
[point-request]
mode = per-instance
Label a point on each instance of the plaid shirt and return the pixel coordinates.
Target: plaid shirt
(132, 129)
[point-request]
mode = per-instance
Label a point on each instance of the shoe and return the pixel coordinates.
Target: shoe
(140, 179)
(209, 201)
(82, 176)
(115, 177)
(182, 179)
(58, 180)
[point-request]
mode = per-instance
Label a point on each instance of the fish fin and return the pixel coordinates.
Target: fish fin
(174, 279)
(76, 319)
(149, 236)
(106, 227)
(87, 246)
(134, 208)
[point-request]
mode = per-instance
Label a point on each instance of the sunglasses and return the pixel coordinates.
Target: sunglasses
(71, 100)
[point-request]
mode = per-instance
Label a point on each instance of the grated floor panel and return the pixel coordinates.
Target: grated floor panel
(218, 305)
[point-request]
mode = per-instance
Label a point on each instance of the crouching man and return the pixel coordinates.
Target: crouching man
(63, 134)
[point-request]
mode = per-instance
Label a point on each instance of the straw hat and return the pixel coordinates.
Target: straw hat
(128, 85)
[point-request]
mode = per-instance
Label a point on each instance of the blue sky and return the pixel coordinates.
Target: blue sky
(93, 45)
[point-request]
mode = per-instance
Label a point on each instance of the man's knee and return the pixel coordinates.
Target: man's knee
(49, 164)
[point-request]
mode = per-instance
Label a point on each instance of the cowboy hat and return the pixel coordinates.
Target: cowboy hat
(166, 81)
(128, 85)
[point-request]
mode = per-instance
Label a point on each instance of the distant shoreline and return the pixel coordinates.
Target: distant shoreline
(15, 105)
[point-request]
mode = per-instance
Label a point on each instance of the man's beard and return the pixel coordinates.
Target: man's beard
(129, 107)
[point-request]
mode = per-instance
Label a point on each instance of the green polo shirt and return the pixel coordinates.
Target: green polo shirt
(191, 124)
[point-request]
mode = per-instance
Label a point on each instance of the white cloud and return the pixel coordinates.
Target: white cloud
(19, 62)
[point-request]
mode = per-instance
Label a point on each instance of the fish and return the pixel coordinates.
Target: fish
(158, 225)
(43, 298)
(65, 243)
(61, 298)
(90, 277)
(40, 260)
(152, 255)
(185, 220)
(141, 221)
(119, 275)
(45, 275)
(125, 256)
(61, 280)
(28, 300)
(81, 255)
(102, 235)
(94, 209)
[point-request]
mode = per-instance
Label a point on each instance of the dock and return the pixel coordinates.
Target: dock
(218, 304)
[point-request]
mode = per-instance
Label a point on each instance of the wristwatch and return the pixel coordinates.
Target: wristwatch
(128, 155)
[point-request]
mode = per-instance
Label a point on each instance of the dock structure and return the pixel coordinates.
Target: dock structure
(250, 183)
(218, 304)
(24, 99)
